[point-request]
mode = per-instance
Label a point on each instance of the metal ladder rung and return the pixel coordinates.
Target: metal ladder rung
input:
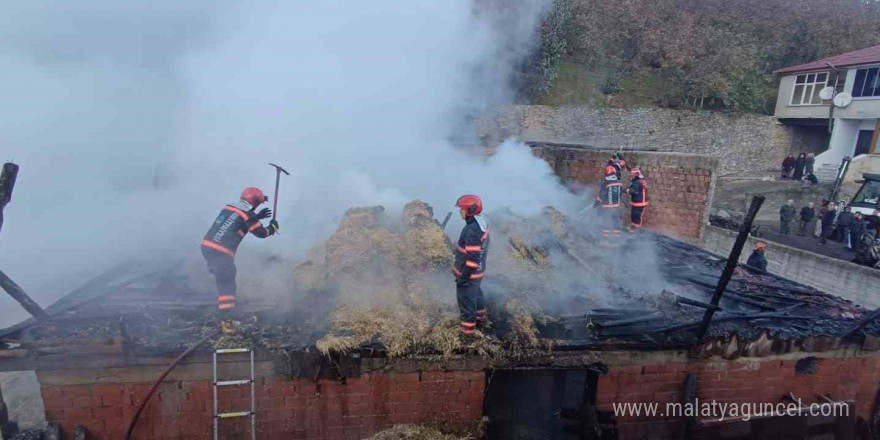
(252, 414)
(230, 415)
(224, 383)
(233, 350)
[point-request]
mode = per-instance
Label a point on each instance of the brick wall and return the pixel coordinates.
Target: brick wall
(733, 382)
(286, 409)
(744, 144)
(680, 186)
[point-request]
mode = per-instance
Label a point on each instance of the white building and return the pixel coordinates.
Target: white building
(855, 80)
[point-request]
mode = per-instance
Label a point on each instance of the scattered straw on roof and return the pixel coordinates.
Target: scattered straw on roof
(395, 289)
(414, 432)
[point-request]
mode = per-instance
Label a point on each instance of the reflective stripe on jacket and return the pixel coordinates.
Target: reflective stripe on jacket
(230, 227)
(638, 193)
(472, 249)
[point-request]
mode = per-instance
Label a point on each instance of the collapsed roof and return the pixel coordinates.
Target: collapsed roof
(553, 284)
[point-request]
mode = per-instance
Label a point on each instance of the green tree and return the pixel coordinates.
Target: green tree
(539, 70)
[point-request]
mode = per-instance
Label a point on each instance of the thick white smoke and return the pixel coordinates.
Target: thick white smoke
(134, 122)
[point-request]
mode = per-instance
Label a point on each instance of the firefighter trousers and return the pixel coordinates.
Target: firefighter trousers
(635, 216)
(222, 266)
(471, 305)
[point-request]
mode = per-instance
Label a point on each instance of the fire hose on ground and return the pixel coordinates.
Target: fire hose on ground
(184, 355)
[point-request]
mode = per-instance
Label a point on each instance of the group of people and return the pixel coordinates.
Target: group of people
(236, 220)
(800, 168)
(610, 191)
(833, 222)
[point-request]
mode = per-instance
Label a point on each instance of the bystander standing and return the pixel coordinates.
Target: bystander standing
(844, 224)
(787, 166)
(786, 215)
(819, 217)
(856, 230)
(827, 222)
(807, 214)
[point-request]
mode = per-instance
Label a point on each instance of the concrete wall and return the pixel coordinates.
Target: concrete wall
(104, 401)
(850, 281)
(843, 140)
(680, 186)
(751, 144)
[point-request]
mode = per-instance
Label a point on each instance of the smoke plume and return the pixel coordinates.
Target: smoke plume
(134, 122)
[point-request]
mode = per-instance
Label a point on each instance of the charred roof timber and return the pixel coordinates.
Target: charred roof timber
(128, 312)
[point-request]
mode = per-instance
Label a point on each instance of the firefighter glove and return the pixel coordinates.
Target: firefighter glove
(264, 213)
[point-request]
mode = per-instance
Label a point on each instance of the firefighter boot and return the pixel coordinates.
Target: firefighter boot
(227, 326)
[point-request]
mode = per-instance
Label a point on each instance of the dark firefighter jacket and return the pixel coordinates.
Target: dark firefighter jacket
(757, 260)
(609, 194)
(638, 193)
(471, 250)
(230, 227)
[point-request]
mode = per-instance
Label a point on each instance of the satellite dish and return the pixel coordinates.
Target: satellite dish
(842, 99)
(827, 93)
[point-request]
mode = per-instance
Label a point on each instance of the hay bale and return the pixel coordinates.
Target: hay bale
(359, 242)
(414, 432)
(417, 214)
(426, 249)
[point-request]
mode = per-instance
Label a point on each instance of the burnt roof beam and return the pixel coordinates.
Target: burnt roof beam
(732, 261)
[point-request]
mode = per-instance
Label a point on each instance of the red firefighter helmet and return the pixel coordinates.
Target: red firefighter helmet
(610, 171)
(470, 203)
(253, 196)
(636, 173)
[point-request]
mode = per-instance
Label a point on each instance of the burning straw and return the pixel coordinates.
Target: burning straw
(395, 290)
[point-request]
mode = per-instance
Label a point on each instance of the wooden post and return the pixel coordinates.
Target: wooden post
(4, 420)
(18, 294)
(7, 183)
(732, 261)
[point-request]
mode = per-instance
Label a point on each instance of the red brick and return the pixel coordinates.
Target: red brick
(107, 413)
(270, 402)
(57, 403)
(358, 387)
(77, 391)
(84, 402)
(631, 369)
(360, 409)
(78, 414)
(54, 415)
(295, 402)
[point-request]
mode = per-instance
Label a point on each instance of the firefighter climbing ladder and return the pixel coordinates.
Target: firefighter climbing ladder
(225, 383)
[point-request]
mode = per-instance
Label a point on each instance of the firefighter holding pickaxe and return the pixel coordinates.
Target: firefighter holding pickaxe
(221, 242)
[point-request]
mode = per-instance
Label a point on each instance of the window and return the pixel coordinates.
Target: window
(807, 88)
(868, 195)
(867, 84)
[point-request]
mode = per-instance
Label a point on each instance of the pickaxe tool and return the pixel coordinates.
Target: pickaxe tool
(278, 171)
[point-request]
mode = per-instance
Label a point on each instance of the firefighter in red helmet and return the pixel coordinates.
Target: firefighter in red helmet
(470, 264)
(221, 242)
(608, 200)
(638, 197)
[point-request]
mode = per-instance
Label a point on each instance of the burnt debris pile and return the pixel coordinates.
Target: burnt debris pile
(382, 285)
